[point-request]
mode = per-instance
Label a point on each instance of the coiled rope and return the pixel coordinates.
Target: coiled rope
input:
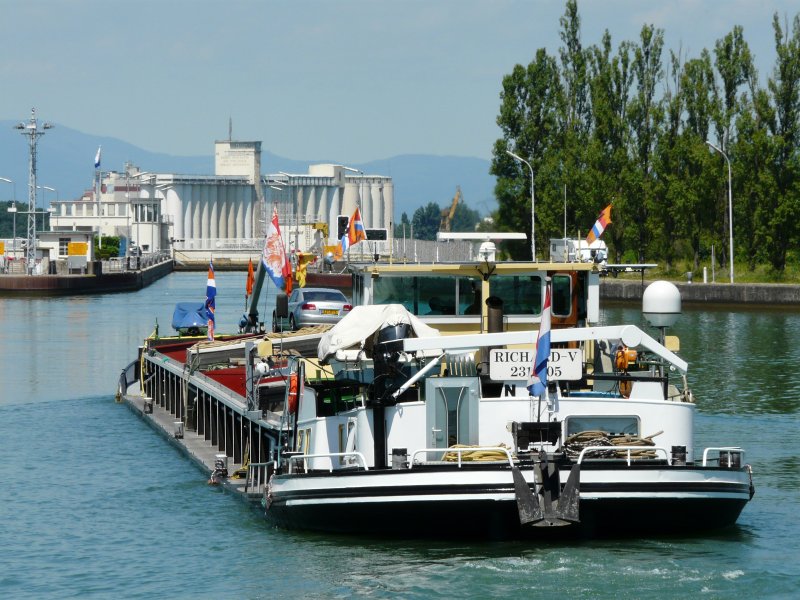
(475, 455)
(584, 439)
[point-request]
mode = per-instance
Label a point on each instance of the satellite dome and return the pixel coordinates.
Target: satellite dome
(661, 303)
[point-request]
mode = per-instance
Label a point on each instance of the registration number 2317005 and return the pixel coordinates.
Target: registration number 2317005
(564, 364)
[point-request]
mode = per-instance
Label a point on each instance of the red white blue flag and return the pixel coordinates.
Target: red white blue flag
(274, 256)
(537, 382)
(600, 225)
(97, 158)
(211, 294)
(355, 229)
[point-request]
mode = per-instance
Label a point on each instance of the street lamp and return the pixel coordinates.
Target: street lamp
(360, 182)
(730, 203)
(51, 189)
(13, 209)
(533, 205)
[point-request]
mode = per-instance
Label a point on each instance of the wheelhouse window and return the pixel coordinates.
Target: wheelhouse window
(423, 296)
(612, 425)
(521, 294)
(562, 295)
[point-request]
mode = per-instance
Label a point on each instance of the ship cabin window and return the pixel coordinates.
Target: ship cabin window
(521, 294)
(335, 398)
(561, 301)
(423, 296)
(613, 425)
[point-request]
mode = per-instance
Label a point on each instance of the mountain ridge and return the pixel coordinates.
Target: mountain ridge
(65, 162)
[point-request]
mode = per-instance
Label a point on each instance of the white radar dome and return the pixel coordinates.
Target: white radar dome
(661, 303)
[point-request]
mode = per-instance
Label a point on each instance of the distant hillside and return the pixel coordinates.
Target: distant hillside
(66, 163)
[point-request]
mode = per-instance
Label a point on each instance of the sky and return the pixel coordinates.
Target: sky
(340, 80)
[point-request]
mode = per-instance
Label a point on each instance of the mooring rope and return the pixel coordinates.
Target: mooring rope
(584, 439)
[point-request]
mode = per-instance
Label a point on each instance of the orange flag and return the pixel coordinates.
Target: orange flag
(250, 279)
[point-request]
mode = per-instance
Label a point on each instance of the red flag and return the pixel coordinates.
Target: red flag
(250, 279)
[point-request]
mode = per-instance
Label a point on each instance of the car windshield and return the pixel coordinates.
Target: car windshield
(324, 296)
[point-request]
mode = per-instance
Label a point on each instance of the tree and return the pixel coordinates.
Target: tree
(465, 218)
(645, 119)
(528, 121)
(403, 229)
(780, 228)
(426, 221)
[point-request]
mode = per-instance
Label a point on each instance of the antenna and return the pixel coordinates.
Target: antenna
(565, 211)
(33, 131)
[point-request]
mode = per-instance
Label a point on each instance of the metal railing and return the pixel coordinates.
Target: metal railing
(627, 449)
(430, 251)
(257, 475)
(357, 455)
(722, 450)
(460, 452)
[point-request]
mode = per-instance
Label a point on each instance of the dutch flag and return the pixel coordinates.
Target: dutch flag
(537, 383)
(97, 158)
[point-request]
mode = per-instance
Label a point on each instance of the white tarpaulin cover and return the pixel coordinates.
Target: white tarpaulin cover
(361, 324)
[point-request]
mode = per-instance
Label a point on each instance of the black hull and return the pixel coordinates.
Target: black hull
(489, 519)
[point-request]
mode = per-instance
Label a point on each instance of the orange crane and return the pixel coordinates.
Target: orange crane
(448, 213)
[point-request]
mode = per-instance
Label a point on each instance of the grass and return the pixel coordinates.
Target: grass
(742, 273)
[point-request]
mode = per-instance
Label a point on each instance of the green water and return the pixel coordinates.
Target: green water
(96, 505)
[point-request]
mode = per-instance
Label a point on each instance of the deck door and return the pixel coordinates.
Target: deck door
(452, 411)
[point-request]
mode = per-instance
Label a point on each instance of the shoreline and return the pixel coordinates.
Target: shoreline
(737, 294)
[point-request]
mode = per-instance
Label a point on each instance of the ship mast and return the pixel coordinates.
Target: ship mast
(34, 132)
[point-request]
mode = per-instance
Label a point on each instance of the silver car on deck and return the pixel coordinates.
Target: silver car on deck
(313, 306)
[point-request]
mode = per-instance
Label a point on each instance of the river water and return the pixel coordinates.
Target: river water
(94, 504)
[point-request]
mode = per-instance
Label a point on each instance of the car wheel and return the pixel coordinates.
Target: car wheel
(274, 323)
(292, 324)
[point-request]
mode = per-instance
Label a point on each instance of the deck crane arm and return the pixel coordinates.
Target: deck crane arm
(249, 321)
(449, 213)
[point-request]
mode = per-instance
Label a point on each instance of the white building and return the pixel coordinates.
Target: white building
(228, 210)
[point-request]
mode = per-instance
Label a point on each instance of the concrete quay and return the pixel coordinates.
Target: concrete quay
(91, 283)
(741, 294)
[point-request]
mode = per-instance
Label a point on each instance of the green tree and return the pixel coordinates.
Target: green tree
(646, 117)
(465, 218)
(779, 228)
(607, 156)
(426, 221)
(403, 229)
(529, 121)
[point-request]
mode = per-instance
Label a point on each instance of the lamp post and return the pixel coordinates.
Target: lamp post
(13, 209)
(51, 189)
(730, 203)
(533, 205)
(33, 132)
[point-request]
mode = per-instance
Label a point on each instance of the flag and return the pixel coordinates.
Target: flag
(97, 158)
(355, 229)
(600, 225)
(250, 279)
(274, 257)
(344, 243)
(211, 294)
(303, 259)
(537, 382)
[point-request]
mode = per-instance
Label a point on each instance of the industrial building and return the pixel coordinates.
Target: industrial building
(227, 212)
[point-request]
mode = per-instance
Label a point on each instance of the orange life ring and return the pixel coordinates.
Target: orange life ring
(293, 393)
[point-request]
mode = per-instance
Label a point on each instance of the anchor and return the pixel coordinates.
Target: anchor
(548, 505)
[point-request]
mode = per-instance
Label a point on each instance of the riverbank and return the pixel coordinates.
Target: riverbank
(750, 294)
(92, 283)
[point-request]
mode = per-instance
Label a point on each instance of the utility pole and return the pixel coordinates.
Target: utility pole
(34, 132)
